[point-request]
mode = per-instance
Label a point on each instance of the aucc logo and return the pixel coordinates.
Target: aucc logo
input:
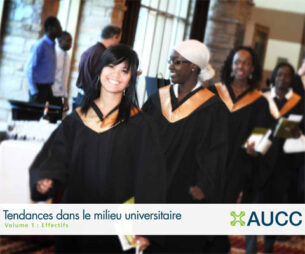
(235, 216)
(280, 218)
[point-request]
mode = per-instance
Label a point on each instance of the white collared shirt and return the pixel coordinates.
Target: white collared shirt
(63, 61)
(176, 87)
(287, 95)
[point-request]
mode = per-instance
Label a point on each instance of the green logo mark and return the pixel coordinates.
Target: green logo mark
(235, 216)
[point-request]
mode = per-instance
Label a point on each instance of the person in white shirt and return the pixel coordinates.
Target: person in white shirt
(60, 86)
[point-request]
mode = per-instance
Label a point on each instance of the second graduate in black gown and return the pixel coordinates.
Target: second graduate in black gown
(192, 132)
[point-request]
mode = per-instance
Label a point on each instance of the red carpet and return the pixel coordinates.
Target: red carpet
(43, 245)
(291, 245)
(22, 244)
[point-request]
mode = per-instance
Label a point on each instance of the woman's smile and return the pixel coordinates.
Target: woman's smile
(113, 82)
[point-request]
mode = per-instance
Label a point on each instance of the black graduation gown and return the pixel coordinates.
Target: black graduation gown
(248, 111)
(194, 141)
(108, 167)
(193, 138)
(282, 180)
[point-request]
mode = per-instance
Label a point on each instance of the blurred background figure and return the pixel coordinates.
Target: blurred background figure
(283, 101)
(240, 77)
(40, 69)
(63, 62)
(284, 182)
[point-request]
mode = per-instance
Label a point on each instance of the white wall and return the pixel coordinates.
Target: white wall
(276, 48)
(297, 6)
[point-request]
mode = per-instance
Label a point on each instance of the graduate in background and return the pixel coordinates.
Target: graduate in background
(283, 102)
(283, 180)
(104, 152)
(248, 109)
(192, 132)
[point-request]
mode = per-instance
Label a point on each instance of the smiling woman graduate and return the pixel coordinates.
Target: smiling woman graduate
(104, 152)
(248, 109)
(192, 132)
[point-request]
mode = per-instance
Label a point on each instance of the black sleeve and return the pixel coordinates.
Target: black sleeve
(148, 106)
(211, 155)
(150, 165)
(268, 162)
(51, 162)
(263, 117)
(297, 86)
(264, 164)
(300, 110)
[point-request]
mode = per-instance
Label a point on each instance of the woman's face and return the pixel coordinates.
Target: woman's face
(242, 65)
(115, 78)
(180, 68)
(283, 79)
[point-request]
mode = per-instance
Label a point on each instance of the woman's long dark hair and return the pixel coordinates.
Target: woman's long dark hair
(114, 56)
(226, 71)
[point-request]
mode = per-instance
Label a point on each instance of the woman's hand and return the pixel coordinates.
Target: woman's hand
(142, 242)
(66, 105)
(44, 185)
(250, 150)
(197, 193)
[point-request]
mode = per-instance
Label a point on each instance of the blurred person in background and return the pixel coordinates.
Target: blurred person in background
(285, 180)
(248, 109)
(41, 66)
(63, 62)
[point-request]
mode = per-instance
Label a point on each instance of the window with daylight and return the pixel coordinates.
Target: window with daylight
(161, 25)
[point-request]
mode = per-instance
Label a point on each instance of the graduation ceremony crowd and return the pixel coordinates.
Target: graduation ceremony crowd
(187, 144)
